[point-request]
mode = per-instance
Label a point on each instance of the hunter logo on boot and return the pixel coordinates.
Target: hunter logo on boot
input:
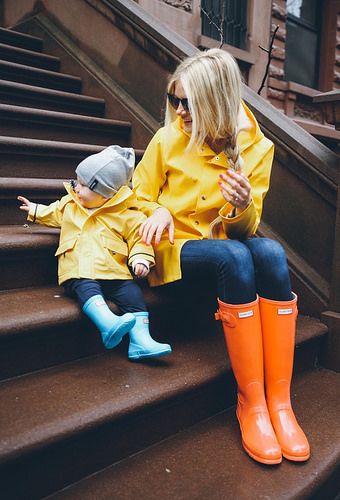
(246, 314)
(285, 311)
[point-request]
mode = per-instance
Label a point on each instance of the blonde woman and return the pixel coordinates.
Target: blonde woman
(201, 183)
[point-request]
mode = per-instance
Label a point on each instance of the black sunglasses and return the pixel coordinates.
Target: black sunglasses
(174, 101)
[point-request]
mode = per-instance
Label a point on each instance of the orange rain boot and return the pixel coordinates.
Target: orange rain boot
(278, 330)
(242, 331)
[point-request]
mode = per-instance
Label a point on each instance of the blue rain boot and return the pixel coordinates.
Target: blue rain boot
(141, 344)
(112, 327)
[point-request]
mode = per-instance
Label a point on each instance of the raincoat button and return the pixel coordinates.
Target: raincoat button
(204, 197)
(217, 158)
(196, 222)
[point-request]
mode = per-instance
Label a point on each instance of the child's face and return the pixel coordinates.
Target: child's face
(88, 198)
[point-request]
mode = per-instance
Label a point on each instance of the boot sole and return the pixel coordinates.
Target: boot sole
(117, 335)
(294, 458)
(266, 461)
(135, 357)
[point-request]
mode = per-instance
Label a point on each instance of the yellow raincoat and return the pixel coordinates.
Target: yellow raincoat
(99, 243)
(186, 182)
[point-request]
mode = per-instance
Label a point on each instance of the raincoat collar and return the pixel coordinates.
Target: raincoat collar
(248, 134)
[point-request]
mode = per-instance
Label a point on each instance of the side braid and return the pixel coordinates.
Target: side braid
(232, 152)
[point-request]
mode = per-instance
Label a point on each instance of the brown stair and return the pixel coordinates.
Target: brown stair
(68, 408)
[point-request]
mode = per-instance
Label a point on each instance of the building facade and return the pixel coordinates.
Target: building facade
(288, 50)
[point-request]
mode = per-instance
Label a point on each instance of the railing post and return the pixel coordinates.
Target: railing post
(330, 102)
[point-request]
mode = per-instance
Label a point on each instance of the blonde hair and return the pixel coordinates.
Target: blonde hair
(212, 83)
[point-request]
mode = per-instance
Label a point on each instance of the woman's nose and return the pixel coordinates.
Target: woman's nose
(180, 110)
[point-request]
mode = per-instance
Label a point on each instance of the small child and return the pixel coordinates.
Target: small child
(98, 243)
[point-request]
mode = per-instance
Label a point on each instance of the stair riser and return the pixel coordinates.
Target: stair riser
(44, 162)
(45, 167)
(22, 269)
(37, 61)
(9, 207)
(20, 40)
(53, 103)
(64, 132)
(22, 74)
(70, 460)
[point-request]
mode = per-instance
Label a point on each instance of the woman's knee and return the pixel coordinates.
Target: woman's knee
(269, 256)
(235, 259)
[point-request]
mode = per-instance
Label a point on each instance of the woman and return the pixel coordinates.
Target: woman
(201, 182)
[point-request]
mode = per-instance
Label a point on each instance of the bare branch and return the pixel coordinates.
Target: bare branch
(219, 28)
(269, 52)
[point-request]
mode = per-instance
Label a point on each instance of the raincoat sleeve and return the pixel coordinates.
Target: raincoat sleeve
(48, 215)
(136, 247)
(149, 176)
(246, 223)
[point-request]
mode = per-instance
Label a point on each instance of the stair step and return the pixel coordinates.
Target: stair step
(61, 333)
(45, 159)
(23, 40)
(53, 125)
(27, 256)
(43, 191)
(72, 419)
(40, 77)
(21, 94)
(28, 57)
(207, 460)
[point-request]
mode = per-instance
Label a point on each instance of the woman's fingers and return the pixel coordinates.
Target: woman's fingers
(235, 188)
(155, 225)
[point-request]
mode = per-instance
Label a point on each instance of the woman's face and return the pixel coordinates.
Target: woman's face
(180, 111)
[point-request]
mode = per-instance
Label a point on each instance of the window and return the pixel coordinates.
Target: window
(228, 16)
(303, 41)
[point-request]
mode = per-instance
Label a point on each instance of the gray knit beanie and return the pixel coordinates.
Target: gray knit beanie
(106, 172)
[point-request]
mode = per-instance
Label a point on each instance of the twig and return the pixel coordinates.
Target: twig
(269, 52)
(219, 28)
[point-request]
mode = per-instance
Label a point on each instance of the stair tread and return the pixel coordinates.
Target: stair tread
(40, 71)
(21, 145)
(20, 39)
(49, 92)
(207, 460)
(18, 237)
(36, 114)
(53, 404)
(30, 53)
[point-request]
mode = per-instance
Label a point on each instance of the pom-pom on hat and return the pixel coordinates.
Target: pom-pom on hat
(106, 172)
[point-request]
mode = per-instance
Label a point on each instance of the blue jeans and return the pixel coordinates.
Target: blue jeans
(238, 270)
(126, 294)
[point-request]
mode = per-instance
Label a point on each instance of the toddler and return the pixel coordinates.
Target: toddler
(99, 244)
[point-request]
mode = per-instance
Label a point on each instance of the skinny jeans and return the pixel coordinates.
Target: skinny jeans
(126, 294)
(239, 270)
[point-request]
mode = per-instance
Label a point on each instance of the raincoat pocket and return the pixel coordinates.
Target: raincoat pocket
(115, 246)
(65, 246)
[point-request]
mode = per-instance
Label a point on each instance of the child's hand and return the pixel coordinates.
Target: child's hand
(25, 203)
(141, 271)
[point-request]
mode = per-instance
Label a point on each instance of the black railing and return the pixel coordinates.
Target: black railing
(225, 20)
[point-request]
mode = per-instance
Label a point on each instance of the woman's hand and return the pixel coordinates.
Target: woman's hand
(25, 203)
(154, 226)
(235, 189)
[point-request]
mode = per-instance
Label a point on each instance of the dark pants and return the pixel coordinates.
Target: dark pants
(238, 269)
(126, 294)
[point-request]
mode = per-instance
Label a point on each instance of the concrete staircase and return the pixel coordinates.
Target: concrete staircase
(79, 422)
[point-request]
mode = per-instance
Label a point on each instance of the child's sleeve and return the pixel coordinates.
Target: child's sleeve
(138, 250)
(48, 215)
